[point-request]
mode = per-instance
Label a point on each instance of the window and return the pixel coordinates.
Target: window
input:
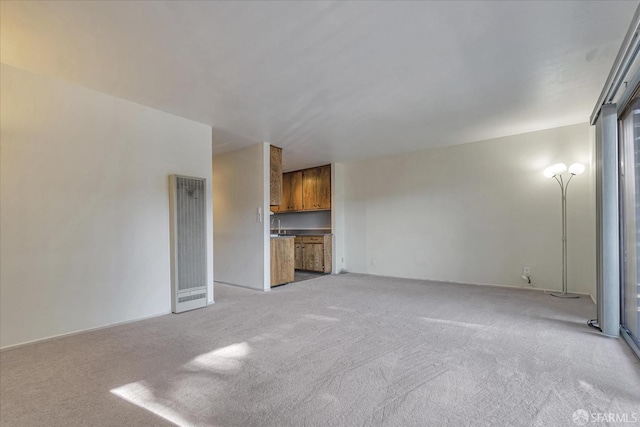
(630, 218)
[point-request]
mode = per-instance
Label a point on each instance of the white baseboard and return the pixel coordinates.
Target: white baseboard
(243, 286)
(78, 332)
(528, 288)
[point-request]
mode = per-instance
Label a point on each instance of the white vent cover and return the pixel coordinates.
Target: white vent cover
(187, 201)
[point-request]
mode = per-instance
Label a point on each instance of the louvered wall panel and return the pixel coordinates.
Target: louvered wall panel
(188, 242)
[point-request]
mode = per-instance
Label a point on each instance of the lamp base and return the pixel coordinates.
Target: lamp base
(563, 295)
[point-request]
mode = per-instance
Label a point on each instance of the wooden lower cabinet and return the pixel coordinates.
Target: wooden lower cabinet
(282, 260)
(313, 253)
(313, 257)
(298, 254)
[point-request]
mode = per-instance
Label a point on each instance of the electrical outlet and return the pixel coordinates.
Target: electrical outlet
(527, 271)
(373, 261)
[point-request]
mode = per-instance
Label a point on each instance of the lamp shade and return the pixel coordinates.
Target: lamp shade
(559, 168)
(548, 172)
(576, 168)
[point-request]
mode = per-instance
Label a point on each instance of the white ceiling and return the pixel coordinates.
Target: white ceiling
(331, 81)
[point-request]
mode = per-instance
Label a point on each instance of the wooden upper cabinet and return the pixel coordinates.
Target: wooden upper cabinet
(316, 188)
(291, 192)
(324, 187)
(286, 193)
(309, 188)
(276, 176)
(296, 191)
(306, 190)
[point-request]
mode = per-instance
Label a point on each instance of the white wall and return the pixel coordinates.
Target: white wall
(241, 251)
(84, 224)
(474, 213)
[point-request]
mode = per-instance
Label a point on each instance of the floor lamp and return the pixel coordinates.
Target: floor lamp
(556, 172)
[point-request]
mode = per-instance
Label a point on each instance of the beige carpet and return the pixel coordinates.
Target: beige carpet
(333, 351)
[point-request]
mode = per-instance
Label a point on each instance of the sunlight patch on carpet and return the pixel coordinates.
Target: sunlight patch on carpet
(138, 394)
(227, 358)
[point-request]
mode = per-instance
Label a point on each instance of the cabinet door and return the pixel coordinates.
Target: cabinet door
(328, 253)
(282, 261)
(316, 188)
(295, 195)
(323, 186)
(307, 257)
(313, 257)
(286, 193)
(309, 189)
(276, 176)
(298, 257)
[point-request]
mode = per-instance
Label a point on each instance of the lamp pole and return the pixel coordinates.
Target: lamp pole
(556, 171)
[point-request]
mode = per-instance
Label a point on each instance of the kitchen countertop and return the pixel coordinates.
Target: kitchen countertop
(306, 232)
(287, 236)
(298, 232)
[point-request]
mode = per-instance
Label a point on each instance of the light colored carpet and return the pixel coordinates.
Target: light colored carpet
(332, 351)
